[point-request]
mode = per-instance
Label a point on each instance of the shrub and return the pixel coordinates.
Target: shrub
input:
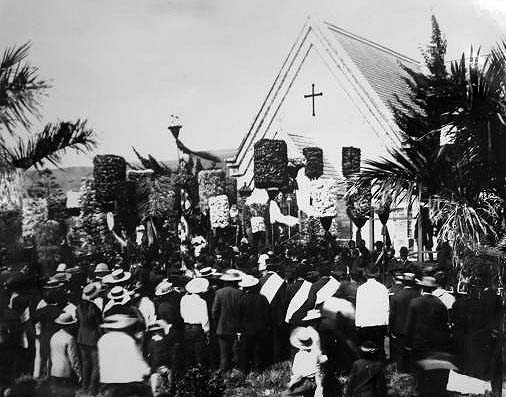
(200, 382)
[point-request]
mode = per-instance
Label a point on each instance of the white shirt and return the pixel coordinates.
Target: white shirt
(372, 306)
(194, 310)
(120, 359)
(445, 297)
(147, 309)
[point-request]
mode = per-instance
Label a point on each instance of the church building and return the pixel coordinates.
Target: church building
(334, 89)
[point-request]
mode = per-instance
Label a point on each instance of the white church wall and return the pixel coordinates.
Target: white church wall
(338, 120)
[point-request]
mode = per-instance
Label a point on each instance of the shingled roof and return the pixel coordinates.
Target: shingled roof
(380, 65)
(303, 141)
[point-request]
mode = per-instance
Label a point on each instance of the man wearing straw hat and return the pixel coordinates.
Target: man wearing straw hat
(47, 310)
(167, 304)
(90, 317)
(225, 313)
(255, 320)
(196, 321)
(399, 306)
(64, 356)
(427, 333)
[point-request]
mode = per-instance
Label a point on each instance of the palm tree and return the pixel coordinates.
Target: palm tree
(469, 175)
(21, 91)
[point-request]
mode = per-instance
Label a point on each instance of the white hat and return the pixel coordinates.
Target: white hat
(91, 291)
(65, 319)
(102, 268)
(163, 288)
(312, 314)
(302, 338)
(334, 305)
(61, 268)
(118, 293)
(62, 277)
(197, 285)
(248, 282)
(117, 276)
(118, 321)
(207, 271)
(231, 275)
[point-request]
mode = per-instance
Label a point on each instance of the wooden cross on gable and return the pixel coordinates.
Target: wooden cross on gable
(312, 96)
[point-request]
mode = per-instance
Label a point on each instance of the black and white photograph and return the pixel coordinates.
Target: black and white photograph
(252, 198)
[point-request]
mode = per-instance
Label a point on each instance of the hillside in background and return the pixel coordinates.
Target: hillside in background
(69, 178)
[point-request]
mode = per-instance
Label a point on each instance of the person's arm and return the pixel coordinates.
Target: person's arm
(358, 309)
(122, 242)
(386, 306)
(216, 307)
(74, 357)
(204, 316)
(392, 314)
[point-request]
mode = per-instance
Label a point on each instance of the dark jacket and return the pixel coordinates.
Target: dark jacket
(427, 325)
(89, 317)
(277, 308)
(157, 352)
(168, 309)
(226, 312)
(347, 290)
(254, 312)
(367, 379)
(399, 306)
(46, 317)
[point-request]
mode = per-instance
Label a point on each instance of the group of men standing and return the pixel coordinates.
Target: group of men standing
(113, 328)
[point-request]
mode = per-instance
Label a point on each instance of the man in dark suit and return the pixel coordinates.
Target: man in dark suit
(255, 321)
(427, 333)
(226, 315)
(271, 282)
(399, 306)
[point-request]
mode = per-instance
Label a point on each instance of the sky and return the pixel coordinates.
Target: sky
(126, 65)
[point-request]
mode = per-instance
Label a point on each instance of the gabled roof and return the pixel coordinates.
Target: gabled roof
(370, 75)
(301, 141)
(378, 64)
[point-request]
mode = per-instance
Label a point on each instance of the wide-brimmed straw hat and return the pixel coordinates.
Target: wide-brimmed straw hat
(118, 321)
(231, 275)
(302, 338)
(101, 268)
(207, 271)
(163, 288)
(312, 314)
(118, 293)
(91, 291)
(197, 285)
(62, 277)
(53, 284)
(156, 326)
(117, 276)
(248, 282)
(65, 319)
(427, 281)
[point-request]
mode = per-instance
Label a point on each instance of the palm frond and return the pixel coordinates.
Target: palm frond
(153, 164)
(465, 226)
(52, 143)
(20, 89)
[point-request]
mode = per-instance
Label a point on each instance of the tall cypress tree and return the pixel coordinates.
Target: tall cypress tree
(420, 119)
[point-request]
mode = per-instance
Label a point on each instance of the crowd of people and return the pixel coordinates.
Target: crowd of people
(134, 328)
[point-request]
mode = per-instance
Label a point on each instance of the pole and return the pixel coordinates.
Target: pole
(419, 241)
(289, 213)
(371, 232)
